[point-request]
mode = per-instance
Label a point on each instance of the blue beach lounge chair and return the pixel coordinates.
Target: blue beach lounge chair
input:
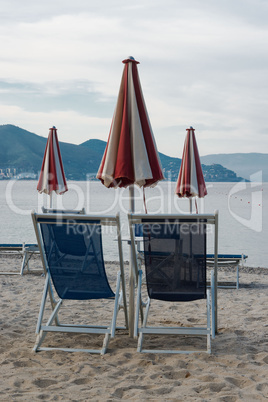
(175, 271)
(72, 256)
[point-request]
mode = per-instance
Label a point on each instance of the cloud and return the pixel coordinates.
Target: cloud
(78, 96)
(202, 64)
(72, 127)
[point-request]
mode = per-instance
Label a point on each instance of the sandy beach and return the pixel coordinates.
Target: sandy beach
(236, 370)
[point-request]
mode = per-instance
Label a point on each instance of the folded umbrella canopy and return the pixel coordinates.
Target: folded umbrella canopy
(52, 177)
(131, 155)
(191, 181)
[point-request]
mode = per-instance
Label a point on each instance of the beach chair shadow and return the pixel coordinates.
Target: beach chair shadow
(72, 256)
(175, 271)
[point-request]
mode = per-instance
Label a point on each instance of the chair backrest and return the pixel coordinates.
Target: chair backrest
(175, 260)
(174, 254)
(73, 255)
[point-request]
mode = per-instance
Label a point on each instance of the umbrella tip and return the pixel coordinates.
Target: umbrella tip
(53, 127)
(130, 59)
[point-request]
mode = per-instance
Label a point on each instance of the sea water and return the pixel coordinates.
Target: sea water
(243, 212)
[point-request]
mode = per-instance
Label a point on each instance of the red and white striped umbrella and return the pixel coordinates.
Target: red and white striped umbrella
(131, 155)
(191, 181)
(52, 177)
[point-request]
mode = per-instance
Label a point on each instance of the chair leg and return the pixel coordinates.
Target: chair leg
(42, 307)
(24, 262)
(208, 322)
(237, 276)
(212, 305)
(105, 343)
(118, 300)
(116, 305)
(39, 340)
(141, 335)
(138, 306)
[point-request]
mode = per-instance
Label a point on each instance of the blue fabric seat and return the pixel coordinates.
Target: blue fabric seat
(175, 262)
(75, 260)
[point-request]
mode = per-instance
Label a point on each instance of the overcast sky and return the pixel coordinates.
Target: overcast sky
(204, 63)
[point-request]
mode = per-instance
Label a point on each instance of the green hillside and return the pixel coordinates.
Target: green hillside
(24, 151)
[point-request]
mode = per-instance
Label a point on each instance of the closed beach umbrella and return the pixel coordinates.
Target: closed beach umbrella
(52, 177)
(191, 181)
(131, 155)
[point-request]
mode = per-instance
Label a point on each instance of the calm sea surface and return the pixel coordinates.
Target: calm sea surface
(243, 212)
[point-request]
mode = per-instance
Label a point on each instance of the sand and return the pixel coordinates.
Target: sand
(236, 370)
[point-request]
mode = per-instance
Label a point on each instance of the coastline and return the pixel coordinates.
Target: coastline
(237, 369)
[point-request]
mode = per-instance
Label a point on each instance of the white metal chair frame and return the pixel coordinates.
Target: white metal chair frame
(63, 211)
(120, 300)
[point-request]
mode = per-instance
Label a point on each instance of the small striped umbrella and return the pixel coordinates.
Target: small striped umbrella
(191, 181)
(52, 177)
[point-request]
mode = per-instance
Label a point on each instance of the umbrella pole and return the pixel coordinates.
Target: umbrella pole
(131, 273)
(191, 241)
(131, 198)
(50, 200)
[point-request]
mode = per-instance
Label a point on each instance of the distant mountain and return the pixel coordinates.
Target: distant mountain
(244, 165)
(97, 145)
(24, 151)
